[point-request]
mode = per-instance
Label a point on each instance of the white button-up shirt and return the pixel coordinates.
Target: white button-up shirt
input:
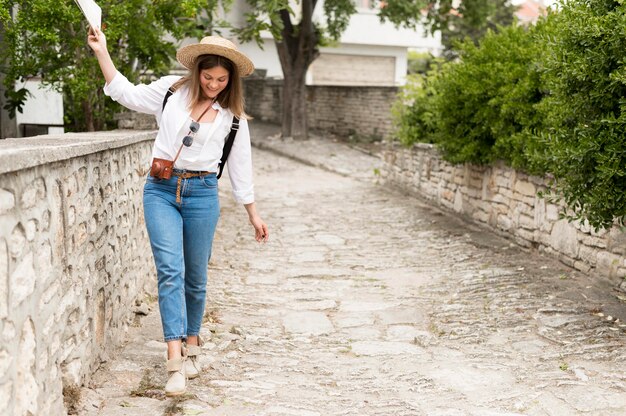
(148, 98)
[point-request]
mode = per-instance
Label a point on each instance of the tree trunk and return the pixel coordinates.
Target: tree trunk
(294, 121)
(88, 112)
(8, 126)
(296, 50)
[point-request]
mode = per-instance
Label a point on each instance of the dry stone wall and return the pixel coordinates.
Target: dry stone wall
(74, 257)
(506, 201)
(344, 110)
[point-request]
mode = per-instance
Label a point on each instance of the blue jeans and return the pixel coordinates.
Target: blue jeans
(181, 236)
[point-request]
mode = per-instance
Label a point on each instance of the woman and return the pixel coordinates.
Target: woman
(181, 212)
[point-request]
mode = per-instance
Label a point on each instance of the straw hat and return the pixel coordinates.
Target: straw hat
(215, 45)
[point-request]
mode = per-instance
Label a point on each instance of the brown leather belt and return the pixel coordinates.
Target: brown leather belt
(186, 175)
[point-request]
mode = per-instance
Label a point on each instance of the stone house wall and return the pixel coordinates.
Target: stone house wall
(506, 201)
(344, 110)
(74, 257)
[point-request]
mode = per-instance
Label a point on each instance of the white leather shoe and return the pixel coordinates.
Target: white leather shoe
(192, 366)
(177, 381)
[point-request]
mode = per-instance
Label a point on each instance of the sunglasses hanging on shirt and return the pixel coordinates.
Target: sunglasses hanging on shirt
(195, 126)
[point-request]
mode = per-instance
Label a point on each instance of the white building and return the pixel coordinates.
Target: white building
(368, 53)
(42, 111)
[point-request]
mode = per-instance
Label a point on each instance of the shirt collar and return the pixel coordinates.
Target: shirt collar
(217, 106)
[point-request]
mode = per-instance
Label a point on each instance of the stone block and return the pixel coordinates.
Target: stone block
(526, 235)
(616, 241)
(72, 372)
(7, 201)
(17, 243)
(582, 266)
(596, 242)
(71, 216)
(544, 237)
(504, 223)
(26, 396)
(525, 188)
(6, 361)
(28, 198)
(524, 242)
(526, 222)
(474, 193)
(4, 279)
(564, 239)
(552, 212)
(6, 397)
(539, 210)
(506, 193)
(481, 216)
(458, 201)
(588, 254)
(22, 280)
(568, 261)
(502, 180)
(43, 265)
(30, 229)
(608, 263)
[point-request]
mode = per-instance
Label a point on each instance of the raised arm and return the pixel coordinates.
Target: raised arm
(98, 42)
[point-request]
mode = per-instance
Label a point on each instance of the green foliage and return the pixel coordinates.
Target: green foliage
(338, 14)
(414, 117)
(585, 128)
(478, 109)
(263, 15)
(547, 99)
(48, 39)
(486, 101)
(298, 39)
(405, 12)
(419, 62)
(470, 20)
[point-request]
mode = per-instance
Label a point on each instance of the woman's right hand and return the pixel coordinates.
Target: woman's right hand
(96, 40)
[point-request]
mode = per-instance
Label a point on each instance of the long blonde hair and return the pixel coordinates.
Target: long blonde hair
(231, 97)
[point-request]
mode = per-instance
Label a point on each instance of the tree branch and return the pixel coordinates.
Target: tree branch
(286, 19)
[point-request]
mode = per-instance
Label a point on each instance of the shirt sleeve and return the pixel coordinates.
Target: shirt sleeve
(145, 98)
(239, 165)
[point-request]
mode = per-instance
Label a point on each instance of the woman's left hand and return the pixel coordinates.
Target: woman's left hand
(261, 232)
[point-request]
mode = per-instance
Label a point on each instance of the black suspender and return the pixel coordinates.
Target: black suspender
(228, 143)
(169, 92)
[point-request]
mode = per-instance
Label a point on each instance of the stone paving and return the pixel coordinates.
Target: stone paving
(368, 302)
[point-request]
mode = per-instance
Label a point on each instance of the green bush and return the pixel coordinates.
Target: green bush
(551, 98)
(486, 100)
(412, 113)
(480, 107)
(48, 39)
(584, 135)
(419, 62)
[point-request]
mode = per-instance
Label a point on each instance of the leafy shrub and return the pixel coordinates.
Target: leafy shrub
(547, 99)
(481, 107)
(419, 62)
(48, 39)
(584, 134)
(413, 116)
(486, 101)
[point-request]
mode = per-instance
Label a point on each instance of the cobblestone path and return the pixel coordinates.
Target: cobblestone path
(368, 302)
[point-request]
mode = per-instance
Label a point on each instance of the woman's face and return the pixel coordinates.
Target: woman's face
(213, 81)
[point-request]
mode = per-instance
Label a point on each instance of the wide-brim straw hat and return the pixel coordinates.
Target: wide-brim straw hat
(215, 45)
